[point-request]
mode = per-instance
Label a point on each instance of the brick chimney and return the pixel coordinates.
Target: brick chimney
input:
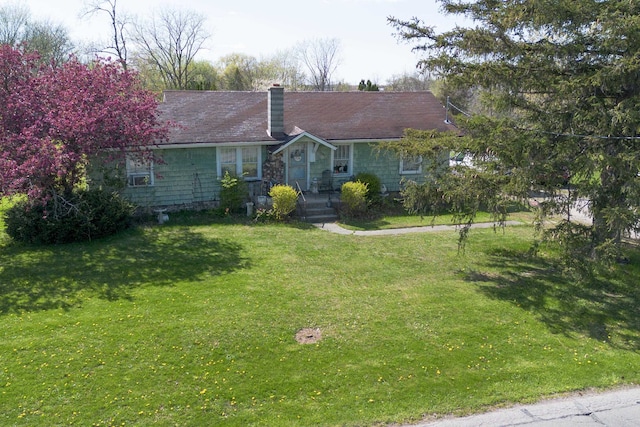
(275, 112)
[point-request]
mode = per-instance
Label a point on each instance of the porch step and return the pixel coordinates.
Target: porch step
(321, 215)
(317, 211)
(323, 219)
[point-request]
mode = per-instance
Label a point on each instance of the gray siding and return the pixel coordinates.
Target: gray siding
(186, 177)
(384, 164)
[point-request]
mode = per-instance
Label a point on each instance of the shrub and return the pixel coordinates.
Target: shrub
(233, 193)
(284, 200)
(374, 185)
(354, 198)
(423, 199)
(83, 215)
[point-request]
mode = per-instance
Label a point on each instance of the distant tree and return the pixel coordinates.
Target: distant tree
(468, 100)
(53, 121)
(291, 73)
(14, 19)
(238, 71)
(235, 79)
(169, 41)
(409, 82)
(148, 73)
(266, 73)
(368, 86)
(321, 58)
(203, 76)
(282, 68)
(50, 40)
(342, 86)
(118, 23)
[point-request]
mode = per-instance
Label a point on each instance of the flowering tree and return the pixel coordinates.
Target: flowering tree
(53, 120)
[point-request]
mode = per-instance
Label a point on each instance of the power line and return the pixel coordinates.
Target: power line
(449, 104)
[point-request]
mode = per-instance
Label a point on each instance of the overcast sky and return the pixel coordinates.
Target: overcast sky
(260, 28)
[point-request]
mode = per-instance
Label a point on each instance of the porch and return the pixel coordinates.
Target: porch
(314, 207)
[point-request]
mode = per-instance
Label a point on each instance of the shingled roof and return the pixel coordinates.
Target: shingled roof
(237, 117)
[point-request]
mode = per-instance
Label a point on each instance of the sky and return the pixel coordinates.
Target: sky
(261, 28)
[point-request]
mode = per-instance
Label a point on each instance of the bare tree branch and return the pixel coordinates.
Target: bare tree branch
(49, 39)
(119, 23)
(14, 19)
(169, 41)
(321, 57)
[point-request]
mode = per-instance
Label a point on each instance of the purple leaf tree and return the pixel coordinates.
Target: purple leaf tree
(54, 120)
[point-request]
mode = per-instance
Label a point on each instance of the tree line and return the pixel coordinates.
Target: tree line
(164, 47)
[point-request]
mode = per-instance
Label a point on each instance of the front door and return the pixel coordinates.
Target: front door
(298, 166)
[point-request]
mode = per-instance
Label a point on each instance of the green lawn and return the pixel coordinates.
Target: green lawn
(194, 323)
(399, 219)
(402, 220)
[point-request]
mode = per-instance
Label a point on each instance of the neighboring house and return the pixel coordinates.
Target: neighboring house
(302, 139)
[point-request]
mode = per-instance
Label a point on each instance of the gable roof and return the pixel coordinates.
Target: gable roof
(241, 117)
(315, 139)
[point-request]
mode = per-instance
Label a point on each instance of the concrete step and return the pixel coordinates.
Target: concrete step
(318, 203)
(320, 219)
(320, 211)
(314, 208)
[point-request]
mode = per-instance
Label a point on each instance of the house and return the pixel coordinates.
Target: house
(296, 138)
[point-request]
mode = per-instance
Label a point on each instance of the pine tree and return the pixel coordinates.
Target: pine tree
(560, 81)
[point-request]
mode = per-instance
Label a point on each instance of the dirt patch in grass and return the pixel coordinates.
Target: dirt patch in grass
(309, 335)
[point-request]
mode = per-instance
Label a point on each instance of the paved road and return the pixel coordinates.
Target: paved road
(617, 408)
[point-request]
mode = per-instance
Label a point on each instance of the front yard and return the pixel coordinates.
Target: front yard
(195, 322)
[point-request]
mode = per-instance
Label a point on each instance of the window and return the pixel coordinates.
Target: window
(139, 172)
(410, 165)
(239, 161)
(250, 162)
(227, 161)
(341, 159)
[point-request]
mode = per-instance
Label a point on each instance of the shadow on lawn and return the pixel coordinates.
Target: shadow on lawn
(34, 278)
(597, 307)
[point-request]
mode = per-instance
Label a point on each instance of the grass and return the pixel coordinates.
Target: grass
(401, 221)
(393, 215)
(193, 323)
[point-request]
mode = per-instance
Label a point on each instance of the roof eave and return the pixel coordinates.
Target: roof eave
(215, 144)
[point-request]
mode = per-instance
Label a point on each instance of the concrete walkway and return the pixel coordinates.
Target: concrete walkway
(616, 408)
(335, 228)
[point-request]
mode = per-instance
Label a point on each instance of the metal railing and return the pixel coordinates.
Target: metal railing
(302, 207)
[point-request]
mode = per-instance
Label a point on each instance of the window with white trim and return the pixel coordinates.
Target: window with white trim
(139, 172)
(240, 161)
(410, 165)
(341, 159)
